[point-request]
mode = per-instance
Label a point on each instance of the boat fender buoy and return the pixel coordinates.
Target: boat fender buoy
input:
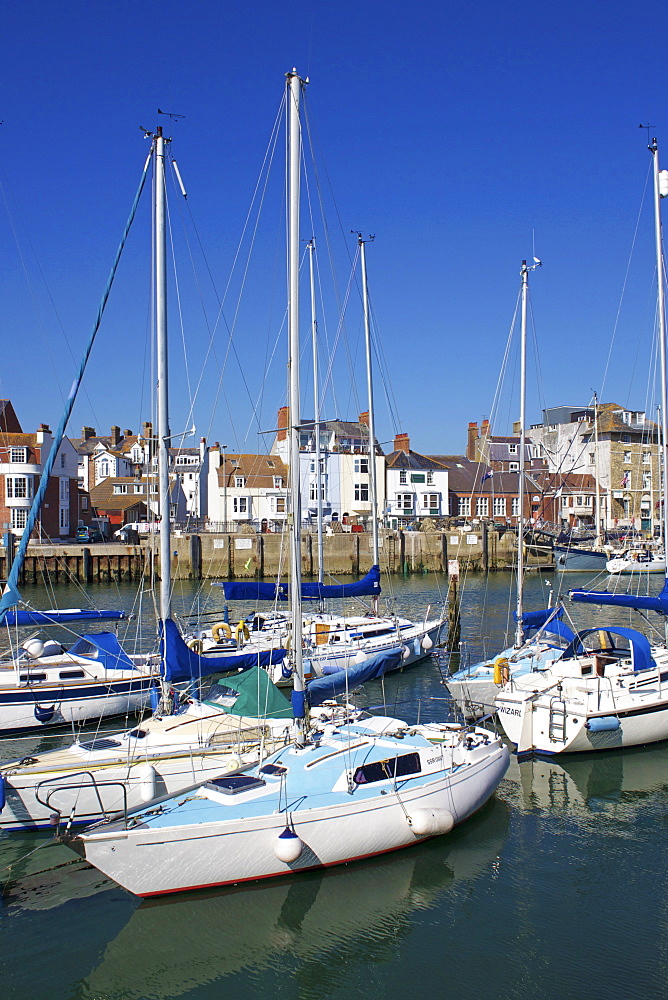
(405, 652)
(241, 632)
(427, 642)
(603, 724)
(221, 627)
(34, 648)
(196, 645)
(233, 764)
(288, 846)
(430, 822)
(2, 792)
(501, 671)
(148, 782)
(359, 657)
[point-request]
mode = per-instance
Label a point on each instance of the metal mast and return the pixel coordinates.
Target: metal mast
(294, 85)
(160, 307)
(372, 431)
(660, 191)
(316, 406)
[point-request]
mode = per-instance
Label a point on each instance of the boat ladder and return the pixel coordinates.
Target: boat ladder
(557, 724)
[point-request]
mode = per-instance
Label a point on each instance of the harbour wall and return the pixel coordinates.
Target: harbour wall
(265, 556)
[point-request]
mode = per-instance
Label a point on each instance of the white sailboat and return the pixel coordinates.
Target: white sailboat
(351, 791)
(540, 637)
(610, 688)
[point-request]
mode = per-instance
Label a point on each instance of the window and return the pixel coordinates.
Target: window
(64, 517)
(431, 501)
(63, 460)
(430, 477)
(103, 468)
(239, 482)
(626, 438)
(578, 501)
(139, 488)
(405, 501)
(499, 506)
(240, 505)
(647, 458)
(362, 465)
(84, 503)
(403, 478)
(278, 482)
(64, 490)
(313, 491)
(564, 501)
(513, 466)
(19, 517)
(384, 770)
(592, 458)
(588, 501)
(515, 507)
(361, 491)
(647, 480)
(627, 458)
(120, 488)
(482, 506)
(17, 455)
(465, 506)
(278, 505)
(512, 449)
(19, 487)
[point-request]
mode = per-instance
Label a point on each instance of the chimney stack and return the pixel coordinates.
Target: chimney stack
(115, 436)
(402, 443)
(87, 433)
(364, 418)
(472, 441)
(283, 423)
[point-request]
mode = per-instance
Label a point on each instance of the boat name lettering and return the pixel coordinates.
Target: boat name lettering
(509, 711)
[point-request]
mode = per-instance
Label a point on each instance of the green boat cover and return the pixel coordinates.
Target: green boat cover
(250, 693)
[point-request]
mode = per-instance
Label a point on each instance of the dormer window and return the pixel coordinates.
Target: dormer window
(239, 482)
(512, 449)
(278, 482)
(18, 455)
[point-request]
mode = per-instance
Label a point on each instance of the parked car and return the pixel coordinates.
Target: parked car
(86, 534)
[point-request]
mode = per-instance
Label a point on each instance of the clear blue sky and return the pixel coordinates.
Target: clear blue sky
(460, 135)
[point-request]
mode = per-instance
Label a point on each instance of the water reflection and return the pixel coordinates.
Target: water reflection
(318, 924)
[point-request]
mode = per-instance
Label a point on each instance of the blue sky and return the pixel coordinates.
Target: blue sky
(463, 137)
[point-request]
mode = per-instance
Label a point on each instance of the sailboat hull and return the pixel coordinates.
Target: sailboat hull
(212, 839)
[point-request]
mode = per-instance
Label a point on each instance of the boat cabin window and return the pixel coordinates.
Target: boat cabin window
(587, 670)
(100, 744)
(381, 770)
(69, 674)
(32, 677)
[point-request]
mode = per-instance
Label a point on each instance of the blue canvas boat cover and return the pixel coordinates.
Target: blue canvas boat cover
(29, 617)
(254, 590)
(605, 598)
(103, 647)
(180, 663)
(321, 688)
(641, 653)
(549, 620)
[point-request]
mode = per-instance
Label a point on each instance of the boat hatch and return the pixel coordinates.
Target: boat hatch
(232, 784)
(101, 744)
(138, 734)
(275, 770)
(381, 770)
(33, 677)
(65, 675)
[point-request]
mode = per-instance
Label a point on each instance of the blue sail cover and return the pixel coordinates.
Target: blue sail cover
(180, 663)
(605, 598)
(254, 590)
(641, 653)
(549, 620)
(103, 647)
(30, 617)
(321, 688)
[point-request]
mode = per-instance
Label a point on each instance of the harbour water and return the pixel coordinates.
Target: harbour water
(556, 889)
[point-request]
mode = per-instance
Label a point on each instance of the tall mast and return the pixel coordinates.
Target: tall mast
(316, 407)
(160, 308)
(373, 491)
(599, 538)
(660, 190)
(294, 85)
(524, 272)
(519, 632)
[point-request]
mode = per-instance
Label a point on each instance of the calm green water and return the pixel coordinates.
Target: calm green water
(557, 889)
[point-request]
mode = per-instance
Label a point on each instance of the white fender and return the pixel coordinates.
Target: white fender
(34, 648)
(288, 846)
(429, 822)
(359, 657)
(427, 642)
(147, 776)
(406, 652)
(233, 763)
